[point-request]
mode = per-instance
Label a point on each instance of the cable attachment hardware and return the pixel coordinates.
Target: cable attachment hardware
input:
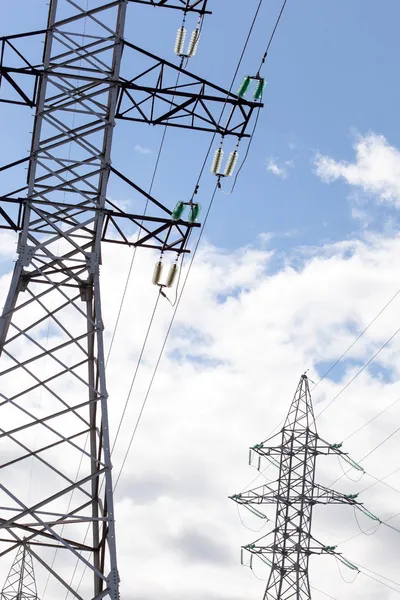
(181, 34)
(258, 90)
(171, 276)
(194, 211)
(230, 163)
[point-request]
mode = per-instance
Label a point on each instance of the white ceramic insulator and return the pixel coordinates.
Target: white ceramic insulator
(231, 163)
(180, 41)
(217, 161)
(193, 42)
(157, 273)
(173, 272)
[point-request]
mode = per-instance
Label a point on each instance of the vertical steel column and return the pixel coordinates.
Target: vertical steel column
(53, 397)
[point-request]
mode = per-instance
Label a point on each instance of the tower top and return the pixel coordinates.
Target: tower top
(301, 412)
(21, 582)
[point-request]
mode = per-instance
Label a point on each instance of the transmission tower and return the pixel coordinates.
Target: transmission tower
(21, 583)
(294, 493)
(54, 401)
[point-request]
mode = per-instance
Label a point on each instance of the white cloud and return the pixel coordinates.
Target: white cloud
(142, 150)
(243, 337)
(375, 170)
(273, 168)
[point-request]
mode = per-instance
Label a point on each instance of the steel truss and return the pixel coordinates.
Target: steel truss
(196, 6)
(21, 582)
(56, 490)
(294, 493)
(150, 95)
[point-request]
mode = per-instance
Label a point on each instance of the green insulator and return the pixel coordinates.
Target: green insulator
(194, 213)
(244, 86)
(258, 92)
(178, 211)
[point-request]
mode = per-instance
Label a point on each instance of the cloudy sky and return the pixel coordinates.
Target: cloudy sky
(293, 266)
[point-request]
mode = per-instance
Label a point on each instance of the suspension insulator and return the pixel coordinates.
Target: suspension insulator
(231, 163)
(260, 87)
(173, 271)
(217, 161)
(244, 86)
(194, 213)
(193, 42)
(157, 272)
(178, 211)
(180, 41)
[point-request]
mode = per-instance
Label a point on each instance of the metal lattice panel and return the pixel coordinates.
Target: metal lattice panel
(53, 392)
(21, 583)
(294, 493)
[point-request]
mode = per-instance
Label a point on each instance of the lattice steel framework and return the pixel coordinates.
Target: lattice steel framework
(55, 472)
(295, 493)
(21, 583)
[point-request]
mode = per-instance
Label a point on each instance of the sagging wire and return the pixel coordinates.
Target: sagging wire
(346, 473)
(366, 531)
(341, 574)
(249, 565)
(246, 526)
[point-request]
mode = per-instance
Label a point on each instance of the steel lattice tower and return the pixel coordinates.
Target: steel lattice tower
(54, 401)
(21, 583)
(295, 493)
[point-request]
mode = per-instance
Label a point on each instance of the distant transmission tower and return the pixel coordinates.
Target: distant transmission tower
(294, 493)
(21, 584)
(53, 387)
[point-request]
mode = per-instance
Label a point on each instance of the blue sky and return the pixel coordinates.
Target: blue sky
(246, 327)
(330, 76)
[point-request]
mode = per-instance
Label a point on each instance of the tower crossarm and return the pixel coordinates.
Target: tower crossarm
(151, 94)
(326, 448)
(291, 553)
(196, 6)
(264, 494)
(324, 495)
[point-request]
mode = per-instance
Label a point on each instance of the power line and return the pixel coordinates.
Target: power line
(357, 339)
(160, 149)
(358, 373)
(371, 420)
(321, 592)
(363, 569)
(186, 278)
(195, 192)
(206, 218)
(369, 529)
(163, 345)
(139, 361)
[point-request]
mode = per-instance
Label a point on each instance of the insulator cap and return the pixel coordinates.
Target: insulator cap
(194, 213)
(173, 271)
(258, 92)
(178, 211)
(231, 163)
(157, 272)
(217, 161)
(180, 41)
(193, 42)
(244, 86)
